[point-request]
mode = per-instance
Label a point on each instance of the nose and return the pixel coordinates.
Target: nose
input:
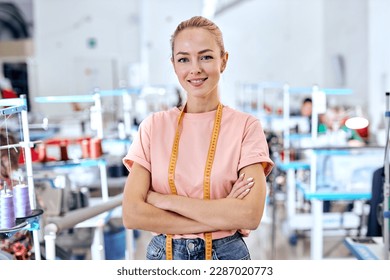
(196, 68)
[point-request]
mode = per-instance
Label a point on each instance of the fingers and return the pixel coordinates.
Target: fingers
(241, 187)
(236, 185)
(246, 188)
(243, 194)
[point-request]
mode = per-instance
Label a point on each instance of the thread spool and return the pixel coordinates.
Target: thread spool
(85, 148)
(22, 206)
(64, 151)
(96, 148)
(42, 153)
(7, 213)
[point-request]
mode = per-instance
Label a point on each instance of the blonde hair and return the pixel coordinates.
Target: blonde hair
(200, 22)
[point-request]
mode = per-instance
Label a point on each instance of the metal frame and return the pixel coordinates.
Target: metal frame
(20, 107)
(386, 185)
(95, 98)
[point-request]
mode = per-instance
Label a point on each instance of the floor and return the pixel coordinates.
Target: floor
(263, 247)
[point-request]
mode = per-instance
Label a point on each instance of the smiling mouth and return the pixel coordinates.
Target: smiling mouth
(197, 82)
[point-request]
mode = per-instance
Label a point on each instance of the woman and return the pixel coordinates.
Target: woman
(197, 173)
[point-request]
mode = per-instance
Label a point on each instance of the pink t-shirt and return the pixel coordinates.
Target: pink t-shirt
(241, 142)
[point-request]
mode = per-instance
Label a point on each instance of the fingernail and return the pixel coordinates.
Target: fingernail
(247, 190)
(250, 179)
(250, 184)
(242, 175)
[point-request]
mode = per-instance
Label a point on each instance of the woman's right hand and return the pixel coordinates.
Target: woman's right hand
(241, 187)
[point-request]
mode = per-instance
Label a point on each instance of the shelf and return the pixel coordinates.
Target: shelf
(339, 150)
(295, 165)
(120, 92)
(298, 136)
(330, 193)
(65, 99)
(12, 102)
(117, 140)
(13, 110)
(68, 163)
(85, 98)
(30, 222)
(337, 91)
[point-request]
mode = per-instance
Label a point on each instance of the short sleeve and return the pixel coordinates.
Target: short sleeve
(139, 150)
(254, 148)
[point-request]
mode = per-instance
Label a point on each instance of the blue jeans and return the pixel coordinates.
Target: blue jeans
(228, 248)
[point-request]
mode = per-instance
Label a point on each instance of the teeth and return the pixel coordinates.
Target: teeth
(198, 81)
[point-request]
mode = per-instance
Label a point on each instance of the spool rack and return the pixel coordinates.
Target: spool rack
(19, 106)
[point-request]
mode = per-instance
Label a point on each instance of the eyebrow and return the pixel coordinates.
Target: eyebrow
(200, 52)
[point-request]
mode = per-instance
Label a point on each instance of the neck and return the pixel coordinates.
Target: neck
(201, 106)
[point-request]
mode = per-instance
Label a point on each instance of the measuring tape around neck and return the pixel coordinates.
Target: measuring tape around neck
(206, 178)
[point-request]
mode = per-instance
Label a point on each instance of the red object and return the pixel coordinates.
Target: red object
(64, 151)
(96, 148)
(8, 93)
(363, 132)
(85, 148)
(42, 155)
(292, 155)
(36, 156)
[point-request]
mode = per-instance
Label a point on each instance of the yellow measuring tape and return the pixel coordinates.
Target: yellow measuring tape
(206, 179)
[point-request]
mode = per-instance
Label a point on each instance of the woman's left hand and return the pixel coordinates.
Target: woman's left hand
(241, 187)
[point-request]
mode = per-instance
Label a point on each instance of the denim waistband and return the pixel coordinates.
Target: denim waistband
(197, 242)
(228, 248)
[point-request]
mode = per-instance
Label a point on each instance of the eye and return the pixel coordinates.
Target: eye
(182, 60)
(206, 57)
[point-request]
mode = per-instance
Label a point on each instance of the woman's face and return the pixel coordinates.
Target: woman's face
(197, 62)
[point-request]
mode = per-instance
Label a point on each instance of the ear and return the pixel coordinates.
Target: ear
(225, 58)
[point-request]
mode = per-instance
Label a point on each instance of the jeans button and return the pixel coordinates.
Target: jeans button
(191, 246)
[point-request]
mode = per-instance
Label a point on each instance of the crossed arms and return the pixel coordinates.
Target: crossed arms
(174, 214)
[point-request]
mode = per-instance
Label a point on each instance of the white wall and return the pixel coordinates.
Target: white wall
(346, 49)
(159, 20)
(277, 41)
(379, 61)
(66, 62)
